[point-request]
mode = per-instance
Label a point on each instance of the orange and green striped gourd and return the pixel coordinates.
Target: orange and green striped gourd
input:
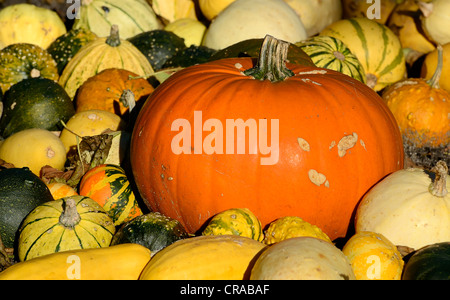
(109, 186)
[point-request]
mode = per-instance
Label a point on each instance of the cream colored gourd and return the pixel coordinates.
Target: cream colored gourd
(436, 20)
(88, 123)
(408, 207)
(191, 30)
(211, 8)
(248, 19)
(172, 10)
(209, 257)
(302, 258)
(27, 23)
(34, 148)
(316, 14)
(132, 17)
(119, 262)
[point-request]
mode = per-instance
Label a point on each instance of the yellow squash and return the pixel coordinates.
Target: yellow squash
(119, 262)
(221, 257)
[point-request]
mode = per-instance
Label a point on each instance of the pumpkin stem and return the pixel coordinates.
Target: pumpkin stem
(434, 81)
(70, 216)
(114, 39)
(439, 186)
(128, 99)
(271, 63)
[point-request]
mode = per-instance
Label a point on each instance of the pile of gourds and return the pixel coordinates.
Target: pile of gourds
(232, 139)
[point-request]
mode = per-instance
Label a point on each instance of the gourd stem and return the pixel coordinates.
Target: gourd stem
(114, 38)
(128, 99)
(439, 186)
(434, 81)
(271, 64)
(70, 216)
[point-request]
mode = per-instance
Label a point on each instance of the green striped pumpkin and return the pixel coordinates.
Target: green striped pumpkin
(69, 223)
(378, 49)
(109, 186)
(331, 53)
(235, 221)
(132, 16)
(101, 54)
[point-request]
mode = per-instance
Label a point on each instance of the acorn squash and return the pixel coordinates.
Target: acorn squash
(189, 56)
(158, 46)
(431, 262)
(153, 231)
(35, 103)
(21, 61)
(20, 192)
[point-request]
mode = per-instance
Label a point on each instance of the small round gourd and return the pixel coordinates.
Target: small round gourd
(34, 148)
(373, 256)
(302, 258)
(191, 30)
(109, 186)
(88, 123)
(290, 227)
(69, 223)
(235, 221)
(60, 190)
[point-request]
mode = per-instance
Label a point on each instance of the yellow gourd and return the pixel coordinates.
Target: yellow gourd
(373, 256)
(34, 148)
(119, 262)
(89, 123)
(211, 8)
(212, 257)
(191, 30)
(172, 10)
(289, 227)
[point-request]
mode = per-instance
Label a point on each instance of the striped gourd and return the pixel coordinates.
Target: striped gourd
(69, 223)
(331, 53)
(100, 54)
(235, 221)
(60, 190)
(378, 49)
(132, 16)
(109, 186)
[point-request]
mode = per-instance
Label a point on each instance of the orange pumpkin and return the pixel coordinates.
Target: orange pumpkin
(422, 109)
(107, 91)
(60, 190)
(324, 139)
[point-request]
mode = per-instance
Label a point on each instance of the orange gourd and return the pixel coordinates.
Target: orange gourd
(329, 139)
(107, 91)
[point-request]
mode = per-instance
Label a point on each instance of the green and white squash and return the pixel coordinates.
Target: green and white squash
(100, 54)
(377, 48)
(35, 103)
(331, 53)
(132, 16)
(153, 230)
(66, 46)
(21, 61)
(69, 223)
(235, 221)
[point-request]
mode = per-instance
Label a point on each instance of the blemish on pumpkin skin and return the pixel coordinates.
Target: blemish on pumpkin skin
(318, 178)
(304, 145)
(346, 143)
(50, 152)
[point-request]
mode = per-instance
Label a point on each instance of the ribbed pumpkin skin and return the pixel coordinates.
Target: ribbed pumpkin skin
(378, 49)
(320, 109)
(42, 233)
(132, 16)
(98, 56)
(108, 185)
(18, 60)
(330, 53)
